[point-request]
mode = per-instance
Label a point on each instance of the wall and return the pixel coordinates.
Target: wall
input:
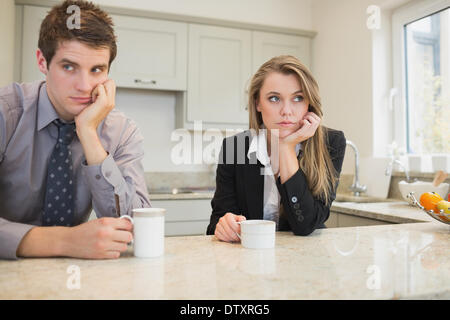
(154, 113)
(7, 41)
(354, 74)
(281, 13)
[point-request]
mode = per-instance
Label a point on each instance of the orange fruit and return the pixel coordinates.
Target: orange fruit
(429, 201)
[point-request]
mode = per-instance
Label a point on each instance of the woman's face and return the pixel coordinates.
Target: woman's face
(282, 103)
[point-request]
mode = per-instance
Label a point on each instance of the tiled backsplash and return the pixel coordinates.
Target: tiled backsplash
(204, 179)
(394, 191)
(346, 180)
(169, 180)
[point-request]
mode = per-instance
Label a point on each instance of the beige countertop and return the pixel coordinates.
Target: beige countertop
(392, 211)
(374, 262)
(183, 196)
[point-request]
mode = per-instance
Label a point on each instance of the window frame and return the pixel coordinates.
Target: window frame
(401, 17)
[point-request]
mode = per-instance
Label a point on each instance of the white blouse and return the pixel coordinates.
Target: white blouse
(271, 206)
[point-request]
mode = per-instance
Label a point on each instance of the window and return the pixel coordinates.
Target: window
(427, 84)
(421, 75)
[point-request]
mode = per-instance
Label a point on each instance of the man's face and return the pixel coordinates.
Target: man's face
(74, 71)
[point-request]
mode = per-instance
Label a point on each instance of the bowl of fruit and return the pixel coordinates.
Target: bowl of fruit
(433, 204)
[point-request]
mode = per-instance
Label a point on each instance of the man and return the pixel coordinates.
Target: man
(64, 149)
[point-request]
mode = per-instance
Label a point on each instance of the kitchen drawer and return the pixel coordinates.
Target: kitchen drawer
(332, 221)
(185, 217)
(346, 220)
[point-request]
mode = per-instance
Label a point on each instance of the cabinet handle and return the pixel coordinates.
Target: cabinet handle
(144, 81)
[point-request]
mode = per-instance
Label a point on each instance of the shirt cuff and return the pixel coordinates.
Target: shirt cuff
(11, 234)
(104, 175)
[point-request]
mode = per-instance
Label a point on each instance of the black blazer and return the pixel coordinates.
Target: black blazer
(240, 187)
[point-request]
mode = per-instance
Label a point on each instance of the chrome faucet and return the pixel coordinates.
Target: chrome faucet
(391, 165)
(356, 188)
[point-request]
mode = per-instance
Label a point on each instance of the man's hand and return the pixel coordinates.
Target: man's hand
(103, 238)
(89, 119)
(227, 227)
(103, 101)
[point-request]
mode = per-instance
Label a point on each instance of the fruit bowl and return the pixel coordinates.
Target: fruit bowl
(441, 216)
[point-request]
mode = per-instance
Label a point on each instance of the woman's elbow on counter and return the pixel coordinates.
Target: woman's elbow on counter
(303, 231)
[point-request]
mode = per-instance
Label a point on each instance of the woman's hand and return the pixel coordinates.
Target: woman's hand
(228, 226)
(287, 158)
(309, 125)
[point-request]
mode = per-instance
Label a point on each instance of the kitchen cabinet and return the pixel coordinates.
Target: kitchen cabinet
(332, 221)
(267, 45)
(185, 217)
(221, 64)
(340, 220)
(219, 70)
(208, 66)
(347, 220)
(151, 53)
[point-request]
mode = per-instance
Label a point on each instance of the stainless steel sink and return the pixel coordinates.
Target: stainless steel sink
(360, 199)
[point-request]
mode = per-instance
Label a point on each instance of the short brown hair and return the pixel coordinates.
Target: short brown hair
(96, 29)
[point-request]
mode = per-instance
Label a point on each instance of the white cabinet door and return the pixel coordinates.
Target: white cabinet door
(185, 217)
(267, 45)
(347, 220)
(150, 53)
(32, 19)
(332, 221)
(219, 69)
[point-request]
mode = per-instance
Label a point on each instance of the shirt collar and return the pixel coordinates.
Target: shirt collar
(46, 111)
(258, 145)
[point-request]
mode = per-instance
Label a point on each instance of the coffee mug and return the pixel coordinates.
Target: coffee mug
(257, 234)
(148, 231)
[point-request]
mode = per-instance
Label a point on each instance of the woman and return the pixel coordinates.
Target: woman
(286, 167)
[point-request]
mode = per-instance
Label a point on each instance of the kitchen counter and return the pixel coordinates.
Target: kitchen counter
(392, 211)
(374, 262)
(182, 196)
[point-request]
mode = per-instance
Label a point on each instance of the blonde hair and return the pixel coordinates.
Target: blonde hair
(316, 162)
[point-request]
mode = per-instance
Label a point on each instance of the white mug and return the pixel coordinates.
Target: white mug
(148, 230)
(257, 234)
